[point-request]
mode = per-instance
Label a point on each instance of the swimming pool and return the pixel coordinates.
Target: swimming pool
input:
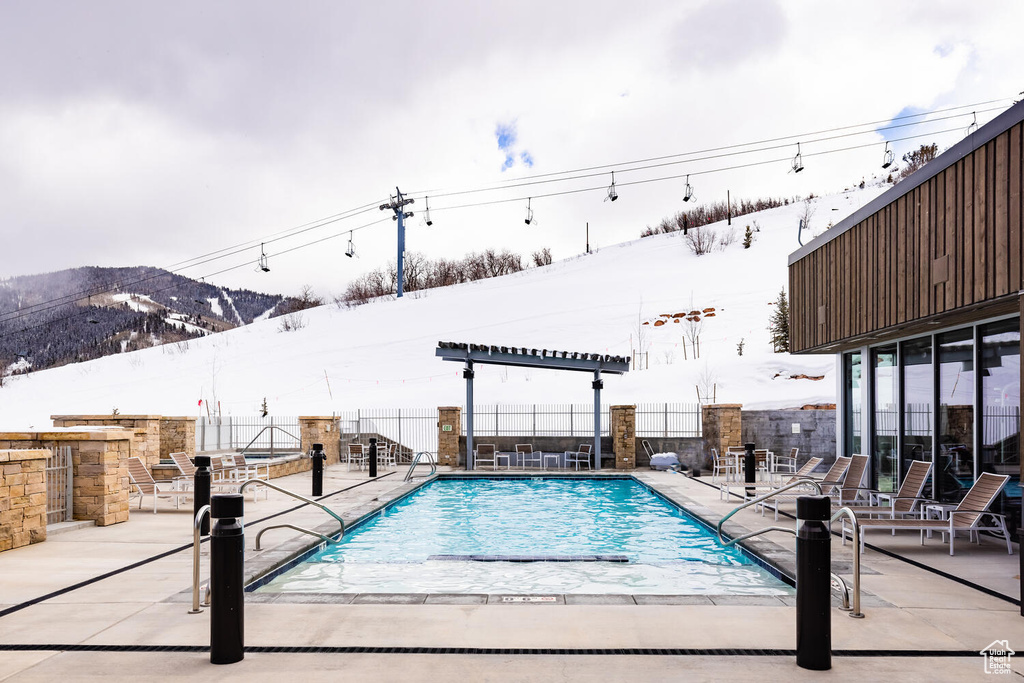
(529, 536)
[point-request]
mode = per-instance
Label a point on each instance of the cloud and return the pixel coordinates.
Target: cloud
(507, 136)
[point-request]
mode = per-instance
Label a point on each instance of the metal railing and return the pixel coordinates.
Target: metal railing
(59, 485)
(197, 524)
(293, 439)
(411, 429)
(308, 501)
(854, 609)
(416, 461)
(231, 432)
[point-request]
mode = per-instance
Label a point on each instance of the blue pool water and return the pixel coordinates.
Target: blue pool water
(420, 544)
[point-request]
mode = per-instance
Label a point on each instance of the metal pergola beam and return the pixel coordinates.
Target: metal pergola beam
(531, 358)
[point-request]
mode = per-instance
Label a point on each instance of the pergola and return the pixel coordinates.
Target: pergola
(531, 358)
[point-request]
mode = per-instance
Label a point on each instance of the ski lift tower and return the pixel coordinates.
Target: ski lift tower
(397, 202)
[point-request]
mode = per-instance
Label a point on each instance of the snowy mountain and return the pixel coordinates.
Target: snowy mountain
(629, 298)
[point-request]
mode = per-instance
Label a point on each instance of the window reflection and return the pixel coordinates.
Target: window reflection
(851, 402)
(955, 473)
(885, 473)
(1000, 411)
(918, 386)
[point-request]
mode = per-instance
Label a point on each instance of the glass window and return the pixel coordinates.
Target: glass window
(1000, 412)
(918, 388)
(885, 474)
(851, 403)
(955, 466)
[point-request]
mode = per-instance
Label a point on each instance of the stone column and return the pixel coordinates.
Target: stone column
(177, 435)
(449, 428)
(623, 430)
(22, 497)
(325, 430)
(721, 427)
(145, 431)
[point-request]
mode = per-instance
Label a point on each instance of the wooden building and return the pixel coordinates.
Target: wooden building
(919, 294)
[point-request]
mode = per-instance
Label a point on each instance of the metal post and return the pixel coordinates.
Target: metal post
(401, 250)
(597, 418)
(227, 564)
(749, 468)
(201, 490)
(468, 375)
(318, 457)
(813, 583)
(373, 457)
(1020, 541)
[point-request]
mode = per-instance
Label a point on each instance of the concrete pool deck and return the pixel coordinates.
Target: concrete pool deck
(134, 614)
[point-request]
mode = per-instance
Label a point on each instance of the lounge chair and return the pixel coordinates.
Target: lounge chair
(966, 516)
(145, 485)
(223, 483)
(904, 502)
(832, 478)
(852, 487)
(526, 454)
(485, 453)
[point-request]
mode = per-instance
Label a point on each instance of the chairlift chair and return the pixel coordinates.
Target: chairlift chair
(798, 162)
(351, 250)
(688, 195)
(426, 214)
(974, 125)
(888, 157)
(263, 263)
(529, 211)
(612, 193)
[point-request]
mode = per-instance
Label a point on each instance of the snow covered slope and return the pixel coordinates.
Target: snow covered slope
(382, 354)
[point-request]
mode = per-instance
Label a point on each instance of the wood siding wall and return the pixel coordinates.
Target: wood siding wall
(951, 244)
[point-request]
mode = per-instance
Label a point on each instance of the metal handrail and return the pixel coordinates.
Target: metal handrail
(416, 461)
(856, 613)
(196, 526)
(755, 501)
(308, 501)
(271, 428)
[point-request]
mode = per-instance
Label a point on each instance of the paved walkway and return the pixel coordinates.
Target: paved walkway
(907, 609)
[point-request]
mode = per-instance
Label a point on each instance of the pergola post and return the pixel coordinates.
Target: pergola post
(597, 418)
(468, 374)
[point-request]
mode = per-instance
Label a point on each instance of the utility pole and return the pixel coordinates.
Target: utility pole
(728, 206)
(397, 202)
(588, 237)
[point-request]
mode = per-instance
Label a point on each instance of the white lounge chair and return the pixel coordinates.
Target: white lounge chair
(144, 485)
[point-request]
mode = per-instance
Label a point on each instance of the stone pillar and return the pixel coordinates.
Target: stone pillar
(22, 497)
(101, 486)
(177, 435)
(145, 430)
(449, 428)
(325, 430)
(721, 427)
(623, 430)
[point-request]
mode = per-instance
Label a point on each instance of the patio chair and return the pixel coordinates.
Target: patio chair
(145, 485)
(786, 464)
(852, 487)
(244, 469)
(966, 516)
(386, 455)
(357, 455)
(223, 484)
(803, 473)
(526, 454)
(904, 502)
(832, 478)
(579, 457)
(485, 453)
(722, 464)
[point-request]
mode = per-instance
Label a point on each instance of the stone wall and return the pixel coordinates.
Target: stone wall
(774, 430)
(22, 497)
(144, 428)
(721, 428)
(177, 435)
(100, 463)
(623, 431)
(325, 430)
(690, 449)
(448, 447)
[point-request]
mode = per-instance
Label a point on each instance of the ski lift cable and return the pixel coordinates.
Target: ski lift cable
(775, 139)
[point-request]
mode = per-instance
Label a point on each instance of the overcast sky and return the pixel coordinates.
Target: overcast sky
(142, 133)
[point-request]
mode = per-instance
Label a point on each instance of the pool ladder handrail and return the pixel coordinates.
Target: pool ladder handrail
(843, 587)
(307, 501)
(416, 461)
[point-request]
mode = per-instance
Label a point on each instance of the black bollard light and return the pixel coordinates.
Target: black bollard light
(749, 468)
(227, 564)
(201, 490)
(319, 457)
(813, 583)
(373, 457)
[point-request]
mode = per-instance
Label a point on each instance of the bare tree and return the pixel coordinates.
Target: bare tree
(542, 257)
(700, 241)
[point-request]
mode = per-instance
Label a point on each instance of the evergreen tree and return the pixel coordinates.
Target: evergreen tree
(778, 324)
